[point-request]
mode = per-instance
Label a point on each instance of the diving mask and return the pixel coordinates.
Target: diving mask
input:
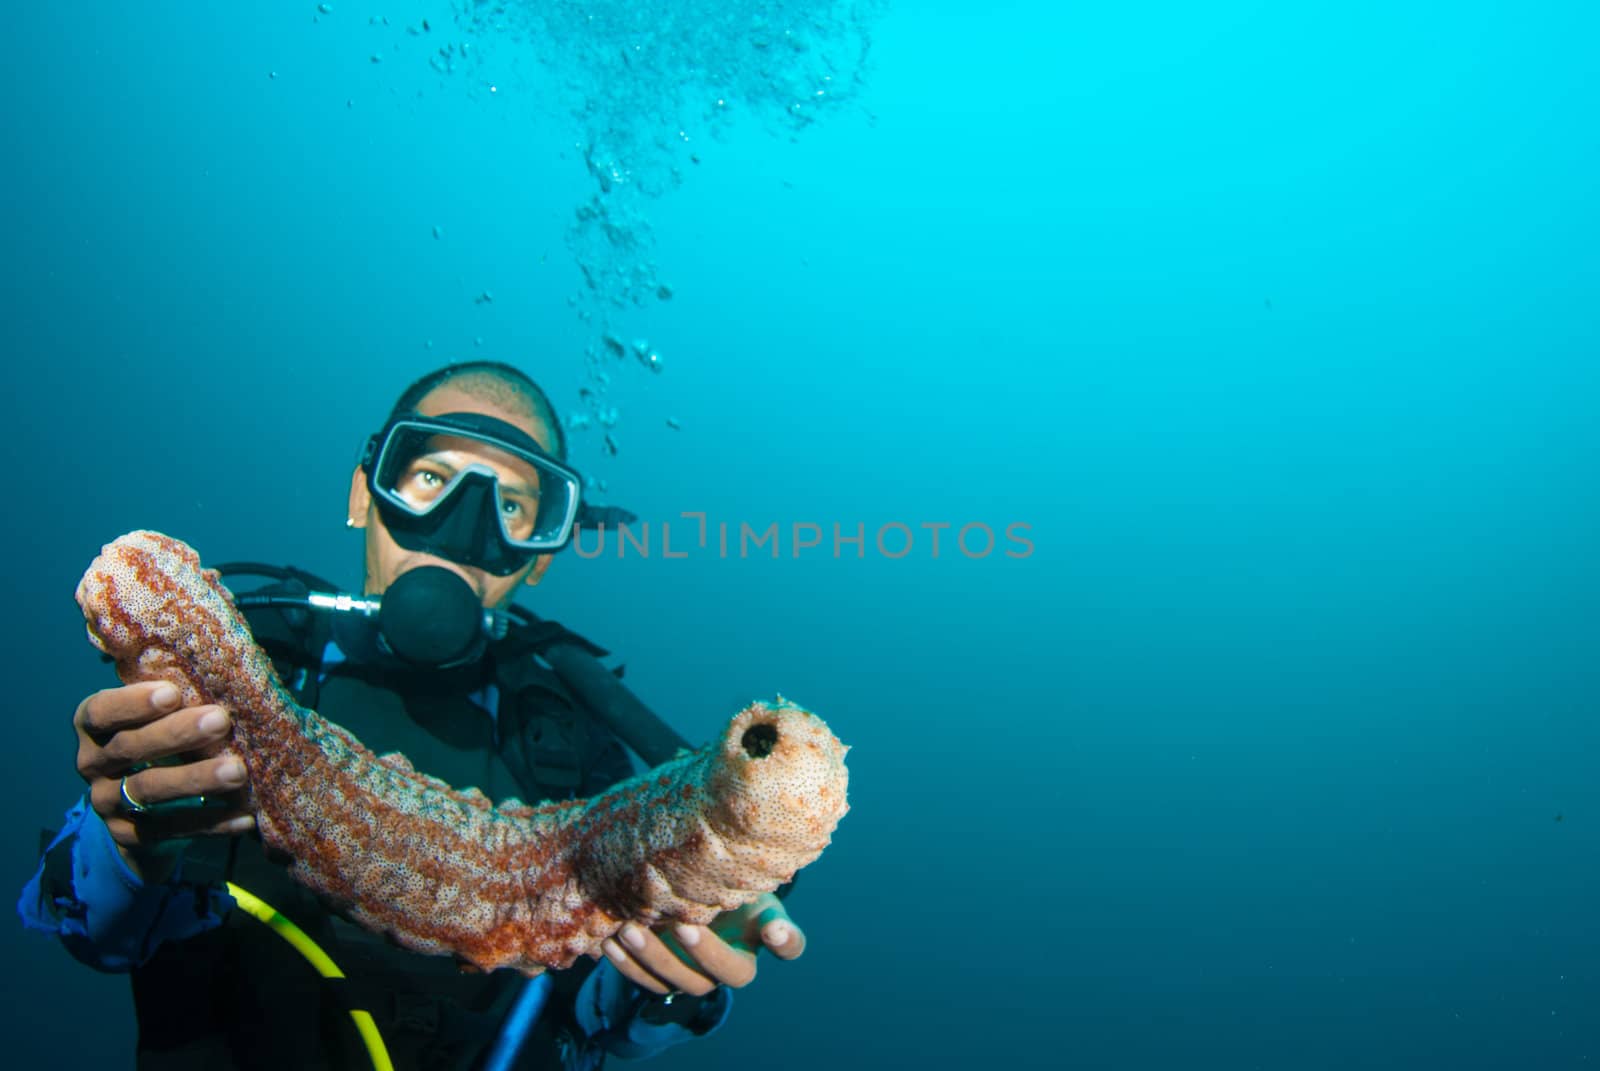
(471, 489)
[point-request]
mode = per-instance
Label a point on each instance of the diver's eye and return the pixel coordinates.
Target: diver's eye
(421, 486)
(517, 516)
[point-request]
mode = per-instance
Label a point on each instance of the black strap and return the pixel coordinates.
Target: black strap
(592, 516)
(534, 636)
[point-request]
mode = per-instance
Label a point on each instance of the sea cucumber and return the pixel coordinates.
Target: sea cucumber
(445, 871)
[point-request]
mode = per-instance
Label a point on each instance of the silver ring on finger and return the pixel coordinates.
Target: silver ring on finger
(129, 804)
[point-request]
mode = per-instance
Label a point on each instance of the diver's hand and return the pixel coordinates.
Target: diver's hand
(120, 730)
(696, 959)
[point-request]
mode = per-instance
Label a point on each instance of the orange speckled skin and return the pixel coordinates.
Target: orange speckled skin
(445, 871)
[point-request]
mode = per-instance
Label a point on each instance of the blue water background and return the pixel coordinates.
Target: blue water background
(1277, 324)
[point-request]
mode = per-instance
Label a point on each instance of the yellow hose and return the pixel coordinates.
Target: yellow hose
(303, 944)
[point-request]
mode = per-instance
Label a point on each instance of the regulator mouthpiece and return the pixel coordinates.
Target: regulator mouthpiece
(431, 617)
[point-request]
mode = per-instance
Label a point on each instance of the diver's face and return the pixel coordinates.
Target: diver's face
(386, 560)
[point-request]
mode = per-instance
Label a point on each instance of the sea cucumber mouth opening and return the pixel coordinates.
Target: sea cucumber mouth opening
(759, 740)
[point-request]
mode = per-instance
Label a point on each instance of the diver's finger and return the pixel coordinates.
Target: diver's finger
(165, 784)
(652, 953)
(174, 734)
(780, 935)
(631, 969)
(716, 958)
(150, 830)
(111, 710)
(741, 927)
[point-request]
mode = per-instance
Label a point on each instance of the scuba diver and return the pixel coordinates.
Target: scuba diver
(464, 496)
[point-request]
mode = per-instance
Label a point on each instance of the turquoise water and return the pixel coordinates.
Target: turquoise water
(1276, 329)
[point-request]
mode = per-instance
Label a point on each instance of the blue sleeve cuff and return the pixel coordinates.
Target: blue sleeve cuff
(609, 1006)
(111, 919)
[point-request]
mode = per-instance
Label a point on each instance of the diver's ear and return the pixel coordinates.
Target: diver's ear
(360, 500)
(536, 574)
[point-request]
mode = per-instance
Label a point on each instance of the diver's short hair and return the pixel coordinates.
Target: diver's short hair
(513, 381)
